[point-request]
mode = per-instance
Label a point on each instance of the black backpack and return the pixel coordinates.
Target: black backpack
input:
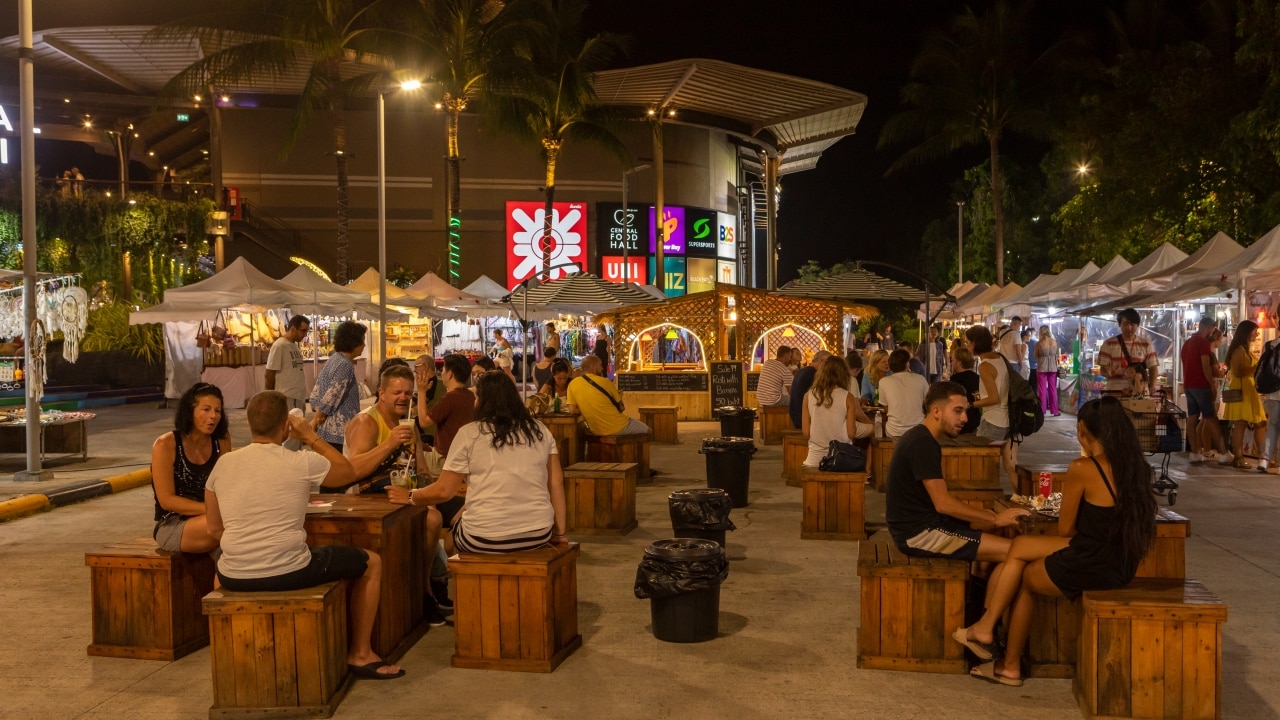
(1026, 415)
(1267, 374)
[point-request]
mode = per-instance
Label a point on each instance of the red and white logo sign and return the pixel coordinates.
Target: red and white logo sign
(525, 229)
(611, 269)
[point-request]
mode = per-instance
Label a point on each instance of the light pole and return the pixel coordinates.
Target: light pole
(626, 222)
(26, 128)
(960, 242)
(382, 214)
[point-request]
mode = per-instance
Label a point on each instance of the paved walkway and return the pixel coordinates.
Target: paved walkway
(789, 611)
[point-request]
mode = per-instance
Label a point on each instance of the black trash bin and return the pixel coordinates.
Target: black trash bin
(700, 513)
(729, 465)
(682, 577)
(737, 421)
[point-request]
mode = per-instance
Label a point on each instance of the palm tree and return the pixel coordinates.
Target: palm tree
(542, 92)
(340, 45)
(461, 38)
(972, 85)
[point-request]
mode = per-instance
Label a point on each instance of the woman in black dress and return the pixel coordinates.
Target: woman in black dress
(601, 349)
(1105, 527)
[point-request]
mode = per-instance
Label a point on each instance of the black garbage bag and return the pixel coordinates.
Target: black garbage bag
(742, 445)
(700, 509)
(679, 566)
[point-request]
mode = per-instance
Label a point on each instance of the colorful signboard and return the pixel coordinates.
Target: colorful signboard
(611, 269)
(612, 227)
(673, 223)
(726, 243)
(701, 235)
(701, 274)
(568, 247)
(676, 280)
(727, 271)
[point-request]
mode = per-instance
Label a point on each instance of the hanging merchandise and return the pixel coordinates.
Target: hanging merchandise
(74, 310)
(36, 341)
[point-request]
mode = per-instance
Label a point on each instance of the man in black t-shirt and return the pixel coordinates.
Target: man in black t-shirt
(924, 519)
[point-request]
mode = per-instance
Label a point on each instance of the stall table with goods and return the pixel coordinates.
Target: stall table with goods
(61, 433)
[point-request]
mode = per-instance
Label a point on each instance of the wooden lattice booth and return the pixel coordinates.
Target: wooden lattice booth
(669, 354)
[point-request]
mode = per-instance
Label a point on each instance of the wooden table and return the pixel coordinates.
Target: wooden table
(395, 532)
(568, 432)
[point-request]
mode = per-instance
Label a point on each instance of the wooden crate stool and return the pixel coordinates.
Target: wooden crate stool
(621, 449)
(972, 468)
(516, 611)
(601, 498)
(881, 454)
(795, 448)
(773, 422)
(663, 423)
(833, 505)
(910, 607)
(1167, 557)
(1151, 650)
(278, 654)
(146, 601)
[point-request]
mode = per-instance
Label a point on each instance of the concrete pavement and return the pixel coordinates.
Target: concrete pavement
(789, 612)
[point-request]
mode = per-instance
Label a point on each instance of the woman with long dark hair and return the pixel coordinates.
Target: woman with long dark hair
(181, 461)
(1105, 527)
(1247, 411)
(558, 384)
(515, 487)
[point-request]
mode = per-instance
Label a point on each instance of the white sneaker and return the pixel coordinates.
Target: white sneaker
(1262, 465)
(1194, 458)
(1226, 458)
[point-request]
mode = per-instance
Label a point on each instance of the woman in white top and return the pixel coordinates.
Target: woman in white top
(831, 412)
(515, 487)
(993, 395)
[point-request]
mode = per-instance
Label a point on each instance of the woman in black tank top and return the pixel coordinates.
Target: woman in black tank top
(181, 461)
(1106, 525)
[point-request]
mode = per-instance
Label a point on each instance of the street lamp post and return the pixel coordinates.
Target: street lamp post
(626, 222)
(960, 242)
(382, 214)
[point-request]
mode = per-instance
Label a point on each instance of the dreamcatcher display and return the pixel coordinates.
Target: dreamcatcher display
(36, 341)
(74, 311)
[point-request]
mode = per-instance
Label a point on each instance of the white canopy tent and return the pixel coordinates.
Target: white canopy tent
(239, 286)
(1255, 267)
(1066, 281)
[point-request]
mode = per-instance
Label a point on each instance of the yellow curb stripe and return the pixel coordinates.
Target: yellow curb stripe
(129, 481)
(25, 505)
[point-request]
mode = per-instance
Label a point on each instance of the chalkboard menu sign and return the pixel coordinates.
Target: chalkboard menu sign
(726, 385)
(662, 382)
(753, 381)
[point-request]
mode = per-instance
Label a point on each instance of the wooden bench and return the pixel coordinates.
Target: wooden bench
(663, 422)
(881, 453)
(601, 498)
(910, 607)
(972, 468)
(833, 505)
(621, 449)
(516, 611)
(773, 422)
(278, 654)
(1151, 650)
(146, 601)
(567, 430)
(1167, 557)
(795, 448)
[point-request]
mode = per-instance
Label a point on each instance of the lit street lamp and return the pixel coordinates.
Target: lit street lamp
(382, 213)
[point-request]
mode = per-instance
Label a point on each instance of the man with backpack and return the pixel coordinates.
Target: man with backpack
(1201, 386)
(1267, 377)
(1008, 342)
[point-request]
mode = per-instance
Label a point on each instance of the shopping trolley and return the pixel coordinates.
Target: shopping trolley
(1161, 431)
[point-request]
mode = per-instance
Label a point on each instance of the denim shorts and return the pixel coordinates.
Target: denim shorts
(1200, 403)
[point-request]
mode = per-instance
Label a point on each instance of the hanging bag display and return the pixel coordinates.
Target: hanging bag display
(203, 338)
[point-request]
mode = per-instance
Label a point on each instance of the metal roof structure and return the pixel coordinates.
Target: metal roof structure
(765, 111)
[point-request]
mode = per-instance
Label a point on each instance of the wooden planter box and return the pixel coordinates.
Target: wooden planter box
(773, 422)
(795, 448)
(516, 611)
(833, 505)
(278, 654)
(910, 607)
(601, 498)
(146, 601)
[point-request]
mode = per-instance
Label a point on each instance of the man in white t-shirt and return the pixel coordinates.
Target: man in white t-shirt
(902, 392)
(774, 387)
(284, 363)
(1009, 344)
(256, 505)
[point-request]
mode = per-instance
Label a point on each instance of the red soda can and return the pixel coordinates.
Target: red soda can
(1046, 484)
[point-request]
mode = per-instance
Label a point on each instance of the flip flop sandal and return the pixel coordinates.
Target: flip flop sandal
(370, 671)
(987, 671)
(977, 648)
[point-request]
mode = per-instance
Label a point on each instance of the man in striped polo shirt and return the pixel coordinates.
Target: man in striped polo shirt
(774, 388)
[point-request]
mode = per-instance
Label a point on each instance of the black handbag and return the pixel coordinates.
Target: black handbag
(843, 457)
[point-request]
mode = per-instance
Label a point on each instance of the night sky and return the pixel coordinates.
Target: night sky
(846, 208)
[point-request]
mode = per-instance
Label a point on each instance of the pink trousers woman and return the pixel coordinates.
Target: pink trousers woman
(1048, 383)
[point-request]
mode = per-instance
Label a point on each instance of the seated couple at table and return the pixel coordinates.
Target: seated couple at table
(597, 399)
(1106, 524)
(256, 505)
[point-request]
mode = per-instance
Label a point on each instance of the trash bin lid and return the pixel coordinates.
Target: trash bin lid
(723, 444)
(684, 549)
(696, 494)
(736, 411)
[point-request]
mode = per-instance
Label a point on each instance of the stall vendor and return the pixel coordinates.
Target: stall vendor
(1128, 360)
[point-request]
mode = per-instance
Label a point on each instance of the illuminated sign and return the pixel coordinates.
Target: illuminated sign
(676, 278)
(611, 269)
(726, 243)
(701, 275)
(727, 272)
(702, 233)
(612, 227)
(4, 142)
(184, 117)
(673, 225)
(525, 254)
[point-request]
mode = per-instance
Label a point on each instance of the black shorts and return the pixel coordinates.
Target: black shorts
(328, 563)
(449, 510)
(951, 538)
